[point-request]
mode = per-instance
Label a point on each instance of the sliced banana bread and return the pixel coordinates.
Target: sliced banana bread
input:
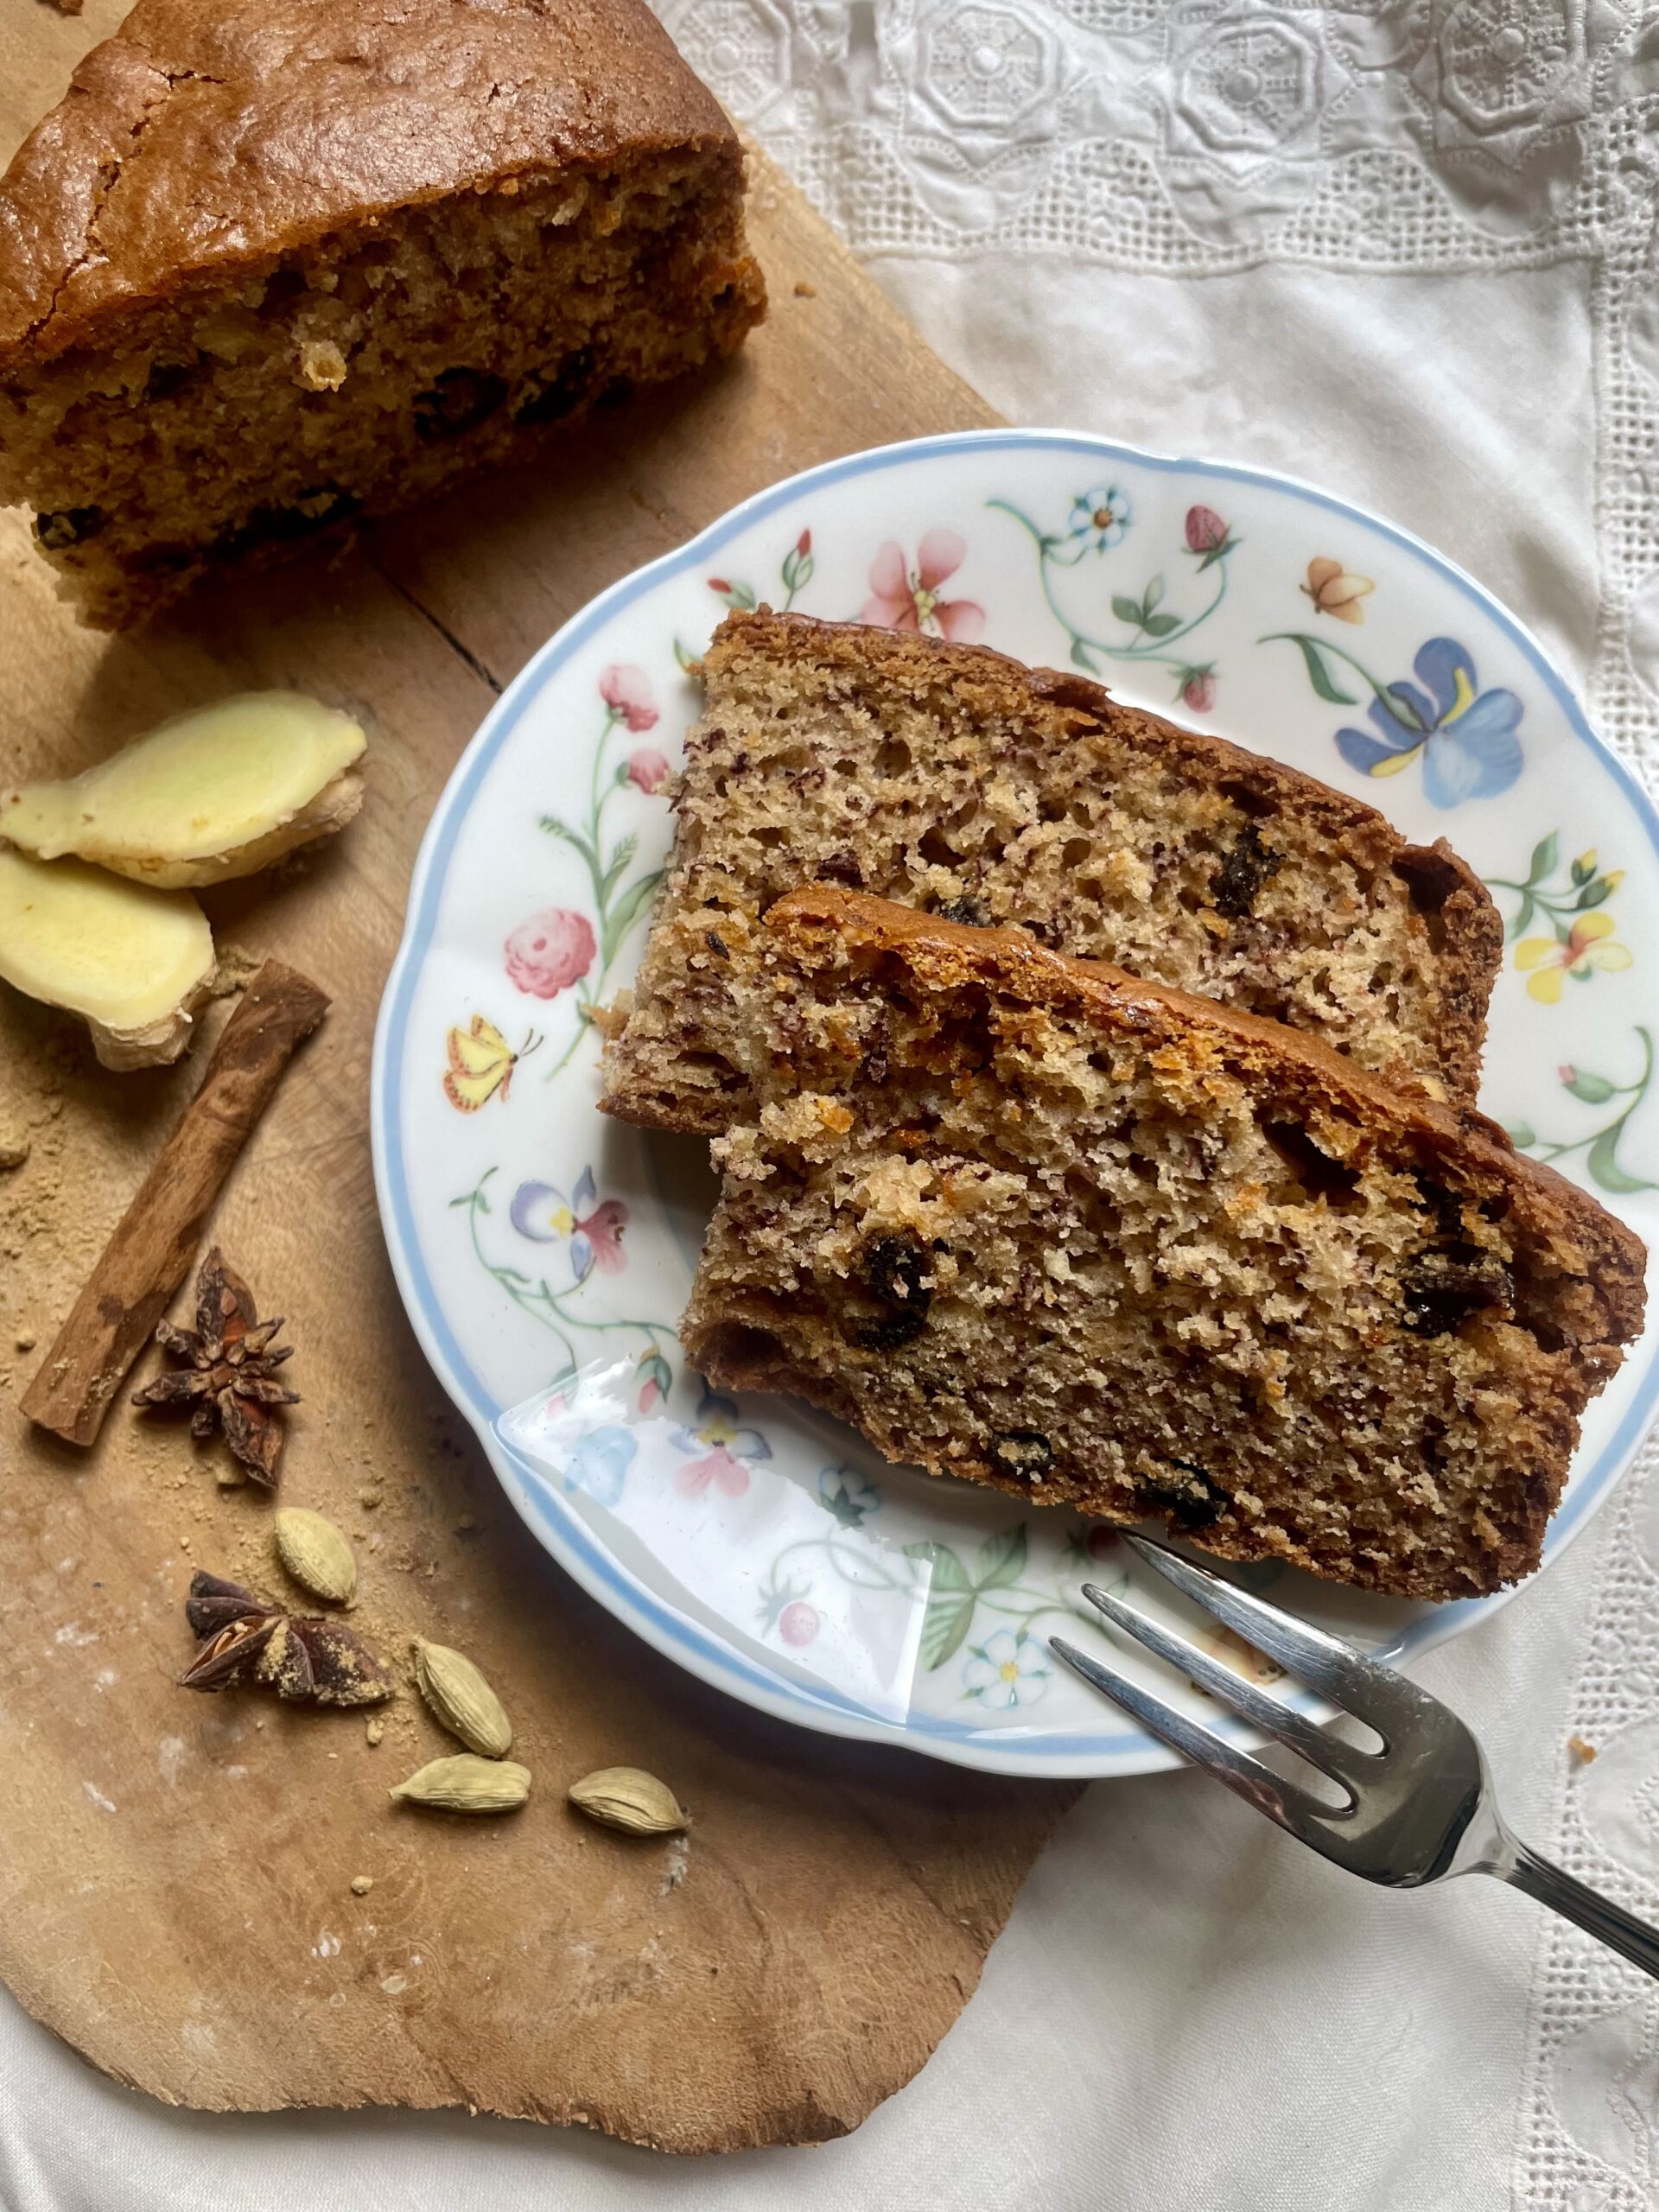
(1028, 1220)
(273, 263)
(959, 781)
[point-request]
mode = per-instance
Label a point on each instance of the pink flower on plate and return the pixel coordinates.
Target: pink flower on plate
(1208, 536)
(647, 768)
(798, 1623)
(908, 599)
(1199, 691)
(551, 950)
(626, 691)
(720, 1448)
(592, 1226)
(602, 1229)
(1205, 529)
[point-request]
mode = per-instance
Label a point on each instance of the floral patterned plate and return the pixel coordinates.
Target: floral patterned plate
(545, 1252)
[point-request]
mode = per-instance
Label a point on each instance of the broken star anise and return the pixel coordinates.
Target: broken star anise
(228, 1372)
(247, 1640)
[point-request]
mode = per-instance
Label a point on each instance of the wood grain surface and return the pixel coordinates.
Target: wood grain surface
(176, 1870)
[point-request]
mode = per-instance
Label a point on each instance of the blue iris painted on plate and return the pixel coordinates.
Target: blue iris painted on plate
(600, 1463)
(1466, 737)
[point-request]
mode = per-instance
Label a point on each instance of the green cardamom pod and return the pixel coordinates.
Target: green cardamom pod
(628, 1797)
(462, 1700)
(316, 1554)
(466, 1783)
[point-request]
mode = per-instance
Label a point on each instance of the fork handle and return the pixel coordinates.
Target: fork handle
(1585, 1908)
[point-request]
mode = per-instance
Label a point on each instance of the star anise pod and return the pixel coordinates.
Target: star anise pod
(228, 1372)
(248, 1642)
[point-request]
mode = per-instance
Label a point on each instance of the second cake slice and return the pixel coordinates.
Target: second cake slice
(960, 782)
(1027, 1220)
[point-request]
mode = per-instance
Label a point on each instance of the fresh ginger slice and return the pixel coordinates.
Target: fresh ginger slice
(133, 963)
(218, 792)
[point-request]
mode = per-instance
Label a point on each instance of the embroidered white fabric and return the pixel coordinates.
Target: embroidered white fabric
(1406, 248)
(1281, 233)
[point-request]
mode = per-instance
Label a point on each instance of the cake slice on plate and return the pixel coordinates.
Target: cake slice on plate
(271, 264)
(960, 782)
(1026, 1220)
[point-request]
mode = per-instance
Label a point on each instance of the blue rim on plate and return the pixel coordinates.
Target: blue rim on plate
(571, 1538)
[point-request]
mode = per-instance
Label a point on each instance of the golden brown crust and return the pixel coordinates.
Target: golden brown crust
(1441, 883)
(1604, 1261)
(1376, 1444)
(210, 136)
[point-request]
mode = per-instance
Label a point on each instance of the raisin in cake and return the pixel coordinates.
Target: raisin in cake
(1029, 1220)
(958, 781)
(271, 264)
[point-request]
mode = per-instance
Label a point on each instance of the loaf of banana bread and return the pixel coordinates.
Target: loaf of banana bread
(1028, 1220)
(274, 263)
(958, 781)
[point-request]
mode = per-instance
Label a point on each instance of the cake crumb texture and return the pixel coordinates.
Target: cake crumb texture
(961, 783)
(273, 264)
(1031, 1221)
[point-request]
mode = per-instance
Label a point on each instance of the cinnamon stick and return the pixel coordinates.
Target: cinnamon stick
(145, 1259)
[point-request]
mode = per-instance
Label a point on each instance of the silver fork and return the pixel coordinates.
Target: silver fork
(1419, 1807)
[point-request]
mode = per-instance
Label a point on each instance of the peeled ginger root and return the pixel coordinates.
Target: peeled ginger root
(134, 963)
(215, 793)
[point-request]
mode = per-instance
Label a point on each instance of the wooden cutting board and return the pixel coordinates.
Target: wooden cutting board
(176, 1870)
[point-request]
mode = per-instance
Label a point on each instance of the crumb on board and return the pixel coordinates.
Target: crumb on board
(804, 289)
(361, 1885)
(1582, 1753)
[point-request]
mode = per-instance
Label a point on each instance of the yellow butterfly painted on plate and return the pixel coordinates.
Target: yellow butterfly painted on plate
(481, 1063)
(1334, 592)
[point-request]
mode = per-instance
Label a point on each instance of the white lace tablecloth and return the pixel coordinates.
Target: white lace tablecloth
(1406, 249)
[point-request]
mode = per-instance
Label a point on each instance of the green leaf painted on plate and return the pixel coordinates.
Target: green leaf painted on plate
(1319, 672)
(951, 1598)
(1602, 1160)
(1520, 1135)
(1001, 1559)
(1594, 1090)
(1160, 626)
(1153, 593)
(625, 850)
(1127, 610)
(1544, 857)
(625, 912)
(845, 1510)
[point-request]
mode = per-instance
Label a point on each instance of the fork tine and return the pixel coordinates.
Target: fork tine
(1251, 1704)
(1370, 1691)
(1294, 1808)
